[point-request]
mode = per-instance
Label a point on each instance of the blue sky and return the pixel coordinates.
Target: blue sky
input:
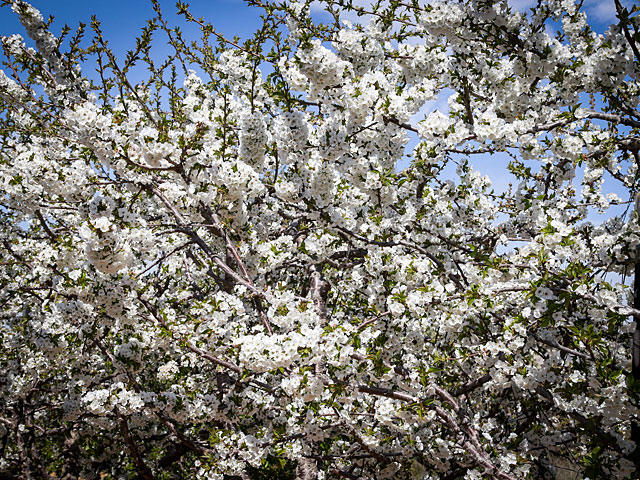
(122, 20)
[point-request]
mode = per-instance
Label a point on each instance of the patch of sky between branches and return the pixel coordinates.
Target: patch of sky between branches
(122, 22)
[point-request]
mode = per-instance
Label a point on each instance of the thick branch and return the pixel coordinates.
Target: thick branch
(472, 445)
(319, 291)
(143, 470)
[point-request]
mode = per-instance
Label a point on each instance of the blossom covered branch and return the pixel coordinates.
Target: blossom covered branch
(291, 262)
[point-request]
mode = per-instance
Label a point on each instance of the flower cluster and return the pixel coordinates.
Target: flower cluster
(253, 138)
(403, 253)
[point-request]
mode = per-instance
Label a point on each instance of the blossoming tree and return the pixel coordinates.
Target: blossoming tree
(221, 270)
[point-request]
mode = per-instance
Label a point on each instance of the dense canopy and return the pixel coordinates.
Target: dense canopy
(284, 256)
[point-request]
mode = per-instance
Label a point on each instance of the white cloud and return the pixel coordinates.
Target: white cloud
(601, 11)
